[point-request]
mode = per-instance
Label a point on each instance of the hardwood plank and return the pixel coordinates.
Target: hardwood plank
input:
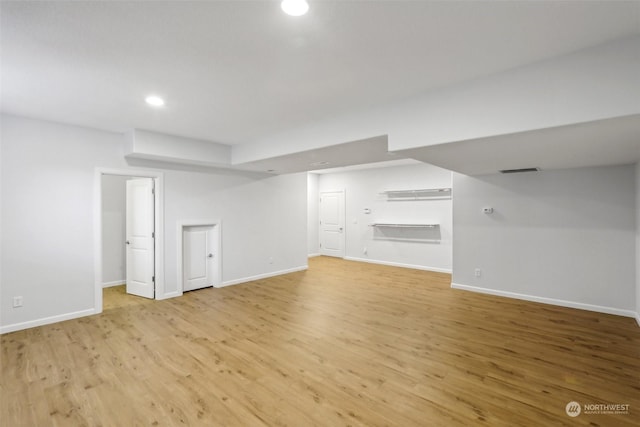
(343, 343)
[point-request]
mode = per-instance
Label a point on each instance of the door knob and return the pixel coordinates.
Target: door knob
(210, 256)
(128, 242)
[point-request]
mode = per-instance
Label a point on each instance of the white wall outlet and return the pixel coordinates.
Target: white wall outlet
(364, 250)
(477, 272)
(17, 302)
(270, 260)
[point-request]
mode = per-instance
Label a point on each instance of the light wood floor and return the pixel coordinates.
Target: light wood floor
(342, 344)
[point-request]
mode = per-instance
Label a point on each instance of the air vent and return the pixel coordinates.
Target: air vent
(520, 170)
(318, 164)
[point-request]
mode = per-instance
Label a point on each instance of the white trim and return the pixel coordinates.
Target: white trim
(46, 321)
(263, 276)
(545, 300)
(97, 228)
(399, 264)
(638, 318)
(114, 283)
(217, 229)
(314, 255)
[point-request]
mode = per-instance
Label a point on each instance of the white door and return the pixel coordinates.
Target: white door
(332, 223)
(140, 238)
(199, 257)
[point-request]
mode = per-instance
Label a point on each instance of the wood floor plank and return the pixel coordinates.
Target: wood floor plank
(341, 344)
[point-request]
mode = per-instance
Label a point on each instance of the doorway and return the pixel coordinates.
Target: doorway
(332, 220)
(142, 245)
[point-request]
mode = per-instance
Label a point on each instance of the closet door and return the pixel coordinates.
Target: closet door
(199, 257)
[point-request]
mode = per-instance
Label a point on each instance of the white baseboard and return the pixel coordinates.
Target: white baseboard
(46, 321)
(314, 255)
(262, 276)
(638, 318)
(398, 264)
(114, 283)
(551, 301)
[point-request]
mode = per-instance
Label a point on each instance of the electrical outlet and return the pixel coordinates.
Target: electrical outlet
(364, 250)
(270, 260)
(477, 272)
(17, 302)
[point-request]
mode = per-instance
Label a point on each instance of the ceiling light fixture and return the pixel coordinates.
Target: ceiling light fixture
(294, 7)
(154, 101)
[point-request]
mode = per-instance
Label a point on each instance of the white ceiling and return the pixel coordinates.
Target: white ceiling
(237, 71)
(598, 143)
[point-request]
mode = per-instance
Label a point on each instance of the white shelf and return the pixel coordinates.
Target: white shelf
(418, 194)
(386, 224)
(408, 239)
(425, 233)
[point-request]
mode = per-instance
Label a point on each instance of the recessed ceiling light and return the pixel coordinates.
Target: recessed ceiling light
(154, 101)
(294, 7)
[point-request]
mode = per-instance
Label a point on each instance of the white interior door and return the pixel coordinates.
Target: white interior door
(140, 238)
(199, 257)
(332, 223)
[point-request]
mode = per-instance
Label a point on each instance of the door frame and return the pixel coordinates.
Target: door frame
(158, 178)
(344, 219)
(217, 236)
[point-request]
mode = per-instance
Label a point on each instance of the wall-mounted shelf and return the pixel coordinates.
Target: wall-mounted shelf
(407, 232)
(387, 224)
(418, 194)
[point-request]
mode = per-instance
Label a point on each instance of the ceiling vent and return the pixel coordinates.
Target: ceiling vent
(520, 170)
(318, 164)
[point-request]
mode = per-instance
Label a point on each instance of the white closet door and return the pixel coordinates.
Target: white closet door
(332, 223)
(199, 257)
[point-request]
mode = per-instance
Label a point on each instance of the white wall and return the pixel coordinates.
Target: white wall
(363, 189)
(47, 218)
(638, 243)
(562, 236)
(114, 204)
(264, 221)
(2, 297)
(313, 210)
